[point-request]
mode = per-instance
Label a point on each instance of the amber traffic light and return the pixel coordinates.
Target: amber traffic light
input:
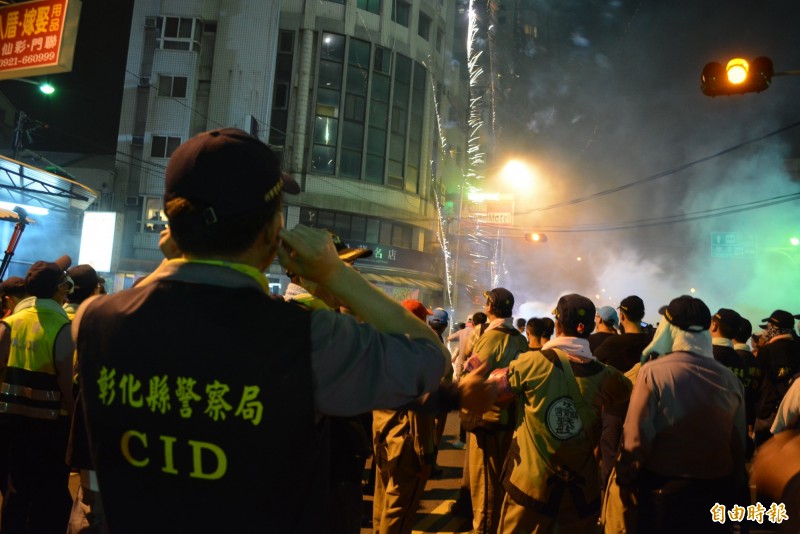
(737, 77)
(535, 237)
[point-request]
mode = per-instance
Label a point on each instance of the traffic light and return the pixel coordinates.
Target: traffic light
(737, 77)
(535, 237)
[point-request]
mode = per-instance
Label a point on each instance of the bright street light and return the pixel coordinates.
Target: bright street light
(44, 87)
(519, 175)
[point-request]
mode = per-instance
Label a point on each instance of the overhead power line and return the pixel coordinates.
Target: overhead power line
(678, 218)
(659, 175)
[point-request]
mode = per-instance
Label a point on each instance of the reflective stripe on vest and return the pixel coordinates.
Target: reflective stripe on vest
(30, 387)
(30, 394)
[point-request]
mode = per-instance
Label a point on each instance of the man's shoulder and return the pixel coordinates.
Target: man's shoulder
(673, 359)
(635, 337)
(499, 333)
(624, 342)
(687, 360)
(248, 299)
(783, 346)
(496, 338)
(535, 362)
(724, 352)
(792, 345)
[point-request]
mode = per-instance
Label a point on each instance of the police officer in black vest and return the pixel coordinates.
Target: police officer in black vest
(209, 422)
(778, 361)
(724, 327)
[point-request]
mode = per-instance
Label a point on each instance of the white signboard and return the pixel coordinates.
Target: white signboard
(97, 239)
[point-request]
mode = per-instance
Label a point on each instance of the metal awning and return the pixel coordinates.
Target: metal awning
(22, 184)
(403, 281)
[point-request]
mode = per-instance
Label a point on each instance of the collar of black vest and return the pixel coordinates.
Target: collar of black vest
(205, 273)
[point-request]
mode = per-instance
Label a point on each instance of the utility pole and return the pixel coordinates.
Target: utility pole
(18, 132)
(23, 129)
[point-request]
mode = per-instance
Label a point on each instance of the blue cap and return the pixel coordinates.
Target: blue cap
(439, 316)
(608, 315)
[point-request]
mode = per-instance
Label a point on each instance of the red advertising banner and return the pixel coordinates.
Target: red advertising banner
(38, 37)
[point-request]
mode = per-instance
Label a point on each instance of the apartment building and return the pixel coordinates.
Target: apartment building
(350, 93)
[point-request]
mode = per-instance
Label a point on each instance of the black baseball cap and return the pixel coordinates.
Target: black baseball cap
(574, 310)
(633, 307)
(86, 281)
(688, 313)
(44, 277)
(501, 298)
(729, 319)
(780, 318)
(228, 172)
(745, 331)
(13, 285)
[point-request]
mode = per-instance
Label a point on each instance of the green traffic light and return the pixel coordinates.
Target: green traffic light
(47, 89)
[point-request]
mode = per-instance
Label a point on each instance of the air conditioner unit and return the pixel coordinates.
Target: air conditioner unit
(395, 182)
(150, 23)
(131, 201)
(144, 81)
(137, 140)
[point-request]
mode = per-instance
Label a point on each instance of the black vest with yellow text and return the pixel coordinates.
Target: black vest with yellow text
(199, 405)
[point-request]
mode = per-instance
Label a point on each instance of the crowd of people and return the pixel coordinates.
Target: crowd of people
(197, 401)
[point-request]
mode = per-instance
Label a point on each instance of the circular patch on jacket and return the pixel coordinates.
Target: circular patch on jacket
(562, 419)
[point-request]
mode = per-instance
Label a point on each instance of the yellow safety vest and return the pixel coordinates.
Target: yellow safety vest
(29, 386)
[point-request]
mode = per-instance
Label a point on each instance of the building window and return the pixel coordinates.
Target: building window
(164, 146)
(401, 12)
(329, 97)
(416, 111)
(286, 42)
(399, 121)
(279, 122)
(355, 108)
(174, 86)
(341, 224)
(424, 26)
(153, 218)
(179, 33)
(373, 231)
(359, 229)
(281, 98)
(373, 6)
(383, 61)
(401, 236)
(439, 40)
(368, 114)
(378, 119)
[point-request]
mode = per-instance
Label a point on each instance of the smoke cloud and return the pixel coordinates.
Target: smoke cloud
(610, 95)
